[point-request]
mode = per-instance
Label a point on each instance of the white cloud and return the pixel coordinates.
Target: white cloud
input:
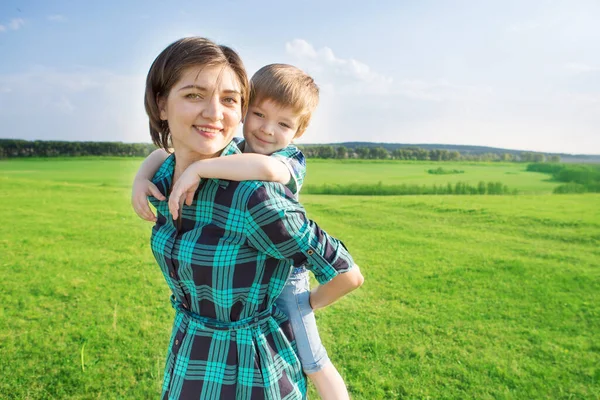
(14, 24)
(579, 68)
(56, 18)
(63, 105)
(359, 103)
(524, 27)
(300, 48)
(325, 60)
(442, 90)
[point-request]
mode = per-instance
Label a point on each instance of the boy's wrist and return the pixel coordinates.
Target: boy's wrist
(197, 167)
(140, 179)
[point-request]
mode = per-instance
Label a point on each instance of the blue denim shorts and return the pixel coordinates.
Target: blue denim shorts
(294, 302)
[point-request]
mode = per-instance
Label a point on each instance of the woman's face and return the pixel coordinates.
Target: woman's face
(203, 110)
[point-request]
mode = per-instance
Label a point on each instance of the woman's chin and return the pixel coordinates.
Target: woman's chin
(205, 148)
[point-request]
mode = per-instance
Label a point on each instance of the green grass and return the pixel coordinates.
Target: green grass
(465, 296)
(395, 172)
(115, 171)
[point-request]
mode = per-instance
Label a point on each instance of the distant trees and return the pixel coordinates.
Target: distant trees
(417, 154)
(577, 178)
(533, 157)
(341, 152)
(39, 148)
(554, 159)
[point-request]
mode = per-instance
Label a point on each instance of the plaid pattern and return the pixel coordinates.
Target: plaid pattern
(226, 261)
(295, 162)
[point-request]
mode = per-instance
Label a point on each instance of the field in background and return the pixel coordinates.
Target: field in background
(513, 175)
(117, 172)
(465, 296)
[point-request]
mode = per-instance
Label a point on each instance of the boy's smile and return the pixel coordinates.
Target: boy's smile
(269, 127)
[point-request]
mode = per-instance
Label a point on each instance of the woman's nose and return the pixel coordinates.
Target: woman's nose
(213, 109)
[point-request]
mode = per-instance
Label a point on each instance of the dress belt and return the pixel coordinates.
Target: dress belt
(222, 325)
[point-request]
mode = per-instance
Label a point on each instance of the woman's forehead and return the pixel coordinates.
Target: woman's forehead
(220, 77)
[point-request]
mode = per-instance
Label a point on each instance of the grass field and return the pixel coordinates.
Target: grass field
(513, 175)
(478, 297)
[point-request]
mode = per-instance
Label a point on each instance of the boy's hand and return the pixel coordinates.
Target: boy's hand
(186, 185)
(140, 191)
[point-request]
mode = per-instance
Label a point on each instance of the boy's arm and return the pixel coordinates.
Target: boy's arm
(236, 167)
(294, 161)
(243, 167)
(143, 187)
(151, 164)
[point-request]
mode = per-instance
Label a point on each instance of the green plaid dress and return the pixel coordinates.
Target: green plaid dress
(226, 261)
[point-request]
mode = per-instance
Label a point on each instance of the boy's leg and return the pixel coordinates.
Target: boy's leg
(329, 383)
(294, 302)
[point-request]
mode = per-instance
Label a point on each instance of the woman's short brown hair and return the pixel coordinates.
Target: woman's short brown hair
(167, 68)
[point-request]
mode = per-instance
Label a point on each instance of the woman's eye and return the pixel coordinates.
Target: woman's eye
(230, 100)
(193, 96)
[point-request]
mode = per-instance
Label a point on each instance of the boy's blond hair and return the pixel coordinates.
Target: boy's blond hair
(287, 86)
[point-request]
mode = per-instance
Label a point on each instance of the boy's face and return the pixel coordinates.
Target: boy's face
(268, 127)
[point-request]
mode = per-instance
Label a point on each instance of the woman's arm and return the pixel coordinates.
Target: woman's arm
(342, 284)
(143, 187)
(278, 226)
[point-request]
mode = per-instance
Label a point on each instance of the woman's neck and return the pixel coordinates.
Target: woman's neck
(184, 158)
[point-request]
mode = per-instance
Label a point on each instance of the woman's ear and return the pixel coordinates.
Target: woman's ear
(162, 107)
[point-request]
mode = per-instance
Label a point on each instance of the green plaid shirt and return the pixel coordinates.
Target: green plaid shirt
(226, 261)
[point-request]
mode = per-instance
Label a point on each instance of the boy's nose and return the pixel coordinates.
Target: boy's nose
(267, 129)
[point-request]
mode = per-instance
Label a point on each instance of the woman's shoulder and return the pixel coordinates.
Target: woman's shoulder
(250, 193)
(163, 177)
(256, 192)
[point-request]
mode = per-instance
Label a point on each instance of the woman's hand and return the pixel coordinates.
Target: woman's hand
(186, 185)
(142, 188)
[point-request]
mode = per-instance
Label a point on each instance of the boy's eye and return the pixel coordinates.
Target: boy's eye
(260, 115)
(285, 125)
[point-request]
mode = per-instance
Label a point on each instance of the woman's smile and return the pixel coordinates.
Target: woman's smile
(207, 100)
(207, 131)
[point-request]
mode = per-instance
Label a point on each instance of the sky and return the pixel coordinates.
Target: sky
(511, 74)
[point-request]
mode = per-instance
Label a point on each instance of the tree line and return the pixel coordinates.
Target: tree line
(10, 148)
(577, 178)
(418, 154)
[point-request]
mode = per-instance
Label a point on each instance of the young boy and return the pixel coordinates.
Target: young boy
(281, 103)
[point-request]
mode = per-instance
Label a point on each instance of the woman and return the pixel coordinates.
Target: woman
(228, 255)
